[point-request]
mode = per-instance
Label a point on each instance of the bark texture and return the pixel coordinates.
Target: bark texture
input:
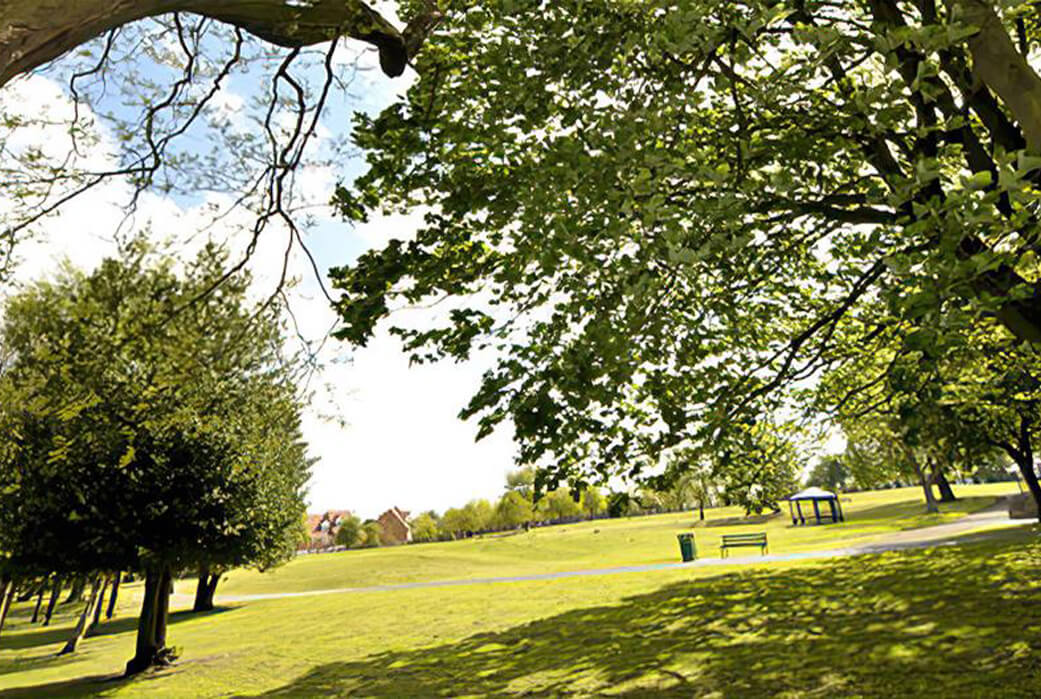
(33, 32)
(151, 624)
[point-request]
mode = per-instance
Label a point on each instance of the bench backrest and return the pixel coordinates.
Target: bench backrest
(742, 538)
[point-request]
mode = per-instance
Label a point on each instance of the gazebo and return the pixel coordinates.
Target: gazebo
(816, 496)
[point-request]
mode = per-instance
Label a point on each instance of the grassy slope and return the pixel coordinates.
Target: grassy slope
(953, 621)
(598, 544)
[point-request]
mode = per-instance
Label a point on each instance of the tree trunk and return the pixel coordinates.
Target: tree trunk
(6, 600)
(205, 589)
(927, 488)
(151, 624)
(39, 602)
(146, 650)
(114, 595)
(55, 593)
(203, 603)
(944, 486)
(81, 626)
(1026, 468)
(163, 606)
(701, 510)
(34, 32)
(98, 607)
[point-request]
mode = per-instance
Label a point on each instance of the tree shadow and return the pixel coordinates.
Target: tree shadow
(959, 622)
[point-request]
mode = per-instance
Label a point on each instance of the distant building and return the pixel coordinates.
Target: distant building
(322, 528)
(396, 529)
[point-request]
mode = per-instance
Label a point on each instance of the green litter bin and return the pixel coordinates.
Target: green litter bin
(688, 549)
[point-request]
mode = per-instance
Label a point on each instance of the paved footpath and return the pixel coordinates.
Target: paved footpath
(994, 517)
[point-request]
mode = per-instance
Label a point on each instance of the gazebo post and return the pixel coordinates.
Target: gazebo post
(791, 511)
(816, 511)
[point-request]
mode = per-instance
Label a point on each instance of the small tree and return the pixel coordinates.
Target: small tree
(372, 532)
(513, 510)
(425, 527)
(350, 533)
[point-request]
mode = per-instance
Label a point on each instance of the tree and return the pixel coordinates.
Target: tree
(670, 209)
(513, 510)
(830, 473)
(521, 481)
(37, 32)
(372, 534)
(425, 527)
(557, 505)
(138, 92)
(593, 502)
(350, 532)
(158, 420)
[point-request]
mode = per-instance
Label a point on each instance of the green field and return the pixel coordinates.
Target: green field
(960, 620)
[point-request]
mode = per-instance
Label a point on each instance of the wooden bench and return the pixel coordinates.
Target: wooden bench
(735, 540)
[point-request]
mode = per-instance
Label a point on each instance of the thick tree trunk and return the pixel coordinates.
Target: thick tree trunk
(113, 596)
(151, 625)
(205, 589)
(6, 599)
(33, 32)
(39, 603)
(81, 626)
(944, 486)
(147, 650)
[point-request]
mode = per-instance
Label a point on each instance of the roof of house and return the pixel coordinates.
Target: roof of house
(314, 522)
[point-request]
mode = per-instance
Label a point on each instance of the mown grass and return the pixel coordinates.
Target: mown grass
(952, 621)
(600, 544)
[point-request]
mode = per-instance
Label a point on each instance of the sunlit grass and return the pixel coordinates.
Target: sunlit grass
(952, 621)
(601, 544)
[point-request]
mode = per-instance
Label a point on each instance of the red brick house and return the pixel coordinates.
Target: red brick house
(322, 528)
(396, 529)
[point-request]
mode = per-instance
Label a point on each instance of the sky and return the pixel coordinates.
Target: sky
(383, 433)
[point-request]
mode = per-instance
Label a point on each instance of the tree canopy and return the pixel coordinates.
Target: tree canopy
(150, 426)
(667, 218)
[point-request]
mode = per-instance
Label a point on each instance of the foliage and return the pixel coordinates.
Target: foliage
(669, 210)
(513, 510)
(830, 473)
(372, 534)
(150, 426)
(558, 504)
(424, 527)
(350, 532)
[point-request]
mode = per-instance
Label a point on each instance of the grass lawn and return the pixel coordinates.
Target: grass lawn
(601, 544)
(959, 620)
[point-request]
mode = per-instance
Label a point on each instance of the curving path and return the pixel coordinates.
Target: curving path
(993, 517)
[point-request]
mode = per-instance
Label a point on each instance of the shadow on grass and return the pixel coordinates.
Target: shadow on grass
(942, 622)
(82, 686)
